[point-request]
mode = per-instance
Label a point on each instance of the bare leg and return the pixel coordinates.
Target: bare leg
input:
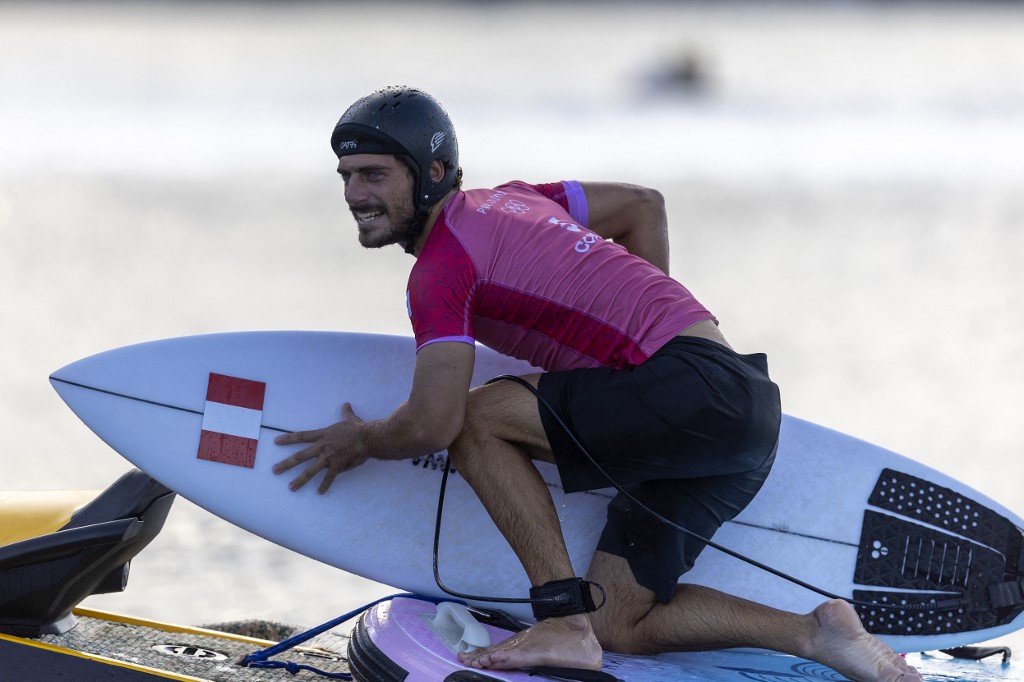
(700, 618)
(502, 432)
(496, 462)
(492, 453)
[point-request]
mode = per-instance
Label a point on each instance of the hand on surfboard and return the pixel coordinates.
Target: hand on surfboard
(336, 449)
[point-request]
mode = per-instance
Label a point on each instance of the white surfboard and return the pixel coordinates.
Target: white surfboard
(200, 413)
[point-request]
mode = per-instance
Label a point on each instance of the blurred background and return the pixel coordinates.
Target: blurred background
(845, 186)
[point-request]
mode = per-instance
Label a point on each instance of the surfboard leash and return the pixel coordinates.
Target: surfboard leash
(934, 604)
(261, 658)
(552, 599)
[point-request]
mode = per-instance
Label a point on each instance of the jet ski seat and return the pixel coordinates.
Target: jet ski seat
(43, 578)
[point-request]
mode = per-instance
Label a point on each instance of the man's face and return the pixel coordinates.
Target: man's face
(378, 189)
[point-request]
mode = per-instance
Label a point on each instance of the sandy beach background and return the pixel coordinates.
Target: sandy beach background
(845, 184)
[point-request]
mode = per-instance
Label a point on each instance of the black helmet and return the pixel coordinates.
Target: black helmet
(411, 124)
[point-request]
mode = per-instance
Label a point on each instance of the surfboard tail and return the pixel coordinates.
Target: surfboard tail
(947, 563)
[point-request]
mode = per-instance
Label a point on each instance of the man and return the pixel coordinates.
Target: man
(640, 388)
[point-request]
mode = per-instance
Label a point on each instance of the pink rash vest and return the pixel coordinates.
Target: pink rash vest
(516, 269)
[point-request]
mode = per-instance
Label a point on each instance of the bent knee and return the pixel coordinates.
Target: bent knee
(500, 414)
(621, 624)
(622, 637)
(471, 443)
(462, 450)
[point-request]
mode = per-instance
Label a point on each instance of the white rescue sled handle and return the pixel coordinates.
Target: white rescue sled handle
(458, 629)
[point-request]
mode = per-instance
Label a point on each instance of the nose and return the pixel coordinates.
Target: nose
(355, 191)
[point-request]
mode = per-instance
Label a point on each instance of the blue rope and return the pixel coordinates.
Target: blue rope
(259, 659)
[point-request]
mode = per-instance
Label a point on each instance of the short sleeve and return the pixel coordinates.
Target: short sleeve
(568, 194)
(440, 292)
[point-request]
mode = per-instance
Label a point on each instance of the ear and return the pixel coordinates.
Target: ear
(436, 170)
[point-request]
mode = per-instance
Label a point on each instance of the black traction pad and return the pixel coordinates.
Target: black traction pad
(938, 541)
(925, 502)
(884, 620)
(904, 555)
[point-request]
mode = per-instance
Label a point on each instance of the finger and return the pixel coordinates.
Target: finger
(298, 458)
(306, 475)
(348, 413)
(328, 481)
(299, 437)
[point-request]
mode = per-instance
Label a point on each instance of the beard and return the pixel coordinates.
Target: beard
(397, 231)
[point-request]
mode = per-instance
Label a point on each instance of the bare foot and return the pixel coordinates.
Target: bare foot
(564, 642)
(842, 643)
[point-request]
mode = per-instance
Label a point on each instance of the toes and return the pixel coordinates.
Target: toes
(470, 659)
(481, 658)
(911, 675)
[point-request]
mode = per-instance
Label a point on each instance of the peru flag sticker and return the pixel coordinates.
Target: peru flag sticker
(231, 421)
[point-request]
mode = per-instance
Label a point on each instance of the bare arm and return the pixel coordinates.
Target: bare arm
(632, 216)
(427, 422)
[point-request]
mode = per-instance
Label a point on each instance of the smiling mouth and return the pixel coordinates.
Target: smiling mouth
(364, 217)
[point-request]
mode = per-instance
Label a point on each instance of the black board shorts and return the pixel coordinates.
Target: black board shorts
(691, 433)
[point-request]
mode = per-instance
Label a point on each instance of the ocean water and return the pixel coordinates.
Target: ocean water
(845, 186)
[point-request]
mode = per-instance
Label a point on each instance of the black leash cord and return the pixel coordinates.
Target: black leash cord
(933, 605)
(471, 597)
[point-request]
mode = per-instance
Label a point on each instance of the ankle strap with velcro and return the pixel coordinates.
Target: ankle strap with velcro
(567, 597)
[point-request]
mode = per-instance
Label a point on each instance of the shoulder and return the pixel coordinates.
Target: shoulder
(568, 194)
(444, 265)
(511, 198)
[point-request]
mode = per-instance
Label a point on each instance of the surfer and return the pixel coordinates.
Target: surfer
(640, 386)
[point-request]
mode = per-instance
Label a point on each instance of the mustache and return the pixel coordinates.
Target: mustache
(366, 208)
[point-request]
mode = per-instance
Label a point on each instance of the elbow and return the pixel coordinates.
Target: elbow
(650, 200)
(643, 207)
(435, 435)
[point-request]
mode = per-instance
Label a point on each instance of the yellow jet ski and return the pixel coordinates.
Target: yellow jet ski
(59, 547)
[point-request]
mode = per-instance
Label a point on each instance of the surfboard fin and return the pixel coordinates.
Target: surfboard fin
(976, 653)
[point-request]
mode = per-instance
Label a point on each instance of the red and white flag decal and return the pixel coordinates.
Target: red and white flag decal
(231, 422)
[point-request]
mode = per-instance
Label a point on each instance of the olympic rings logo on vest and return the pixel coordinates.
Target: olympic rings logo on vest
(515, 207)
